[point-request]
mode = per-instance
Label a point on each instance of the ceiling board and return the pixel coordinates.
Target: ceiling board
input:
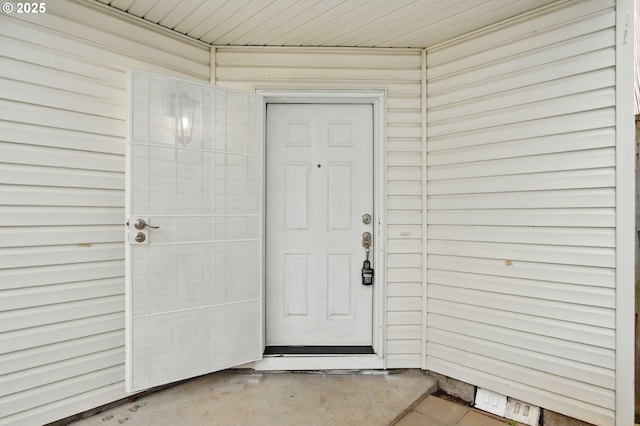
(329, 23)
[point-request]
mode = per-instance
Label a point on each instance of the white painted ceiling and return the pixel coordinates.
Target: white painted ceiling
(351, 23)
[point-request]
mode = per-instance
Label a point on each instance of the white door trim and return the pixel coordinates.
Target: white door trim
(376, 98)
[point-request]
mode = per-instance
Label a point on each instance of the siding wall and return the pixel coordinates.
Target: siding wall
(399, 72)
(521, 209)
(63, 90)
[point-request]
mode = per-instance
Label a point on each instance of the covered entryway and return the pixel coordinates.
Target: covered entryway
(319, 208)
(505, 253)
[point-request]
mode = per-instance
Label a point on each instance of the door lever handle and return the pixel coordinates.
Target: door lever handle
(141, 224)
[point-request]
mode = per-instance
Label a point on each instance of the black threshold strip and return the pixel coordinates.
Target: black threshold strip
(319, 350)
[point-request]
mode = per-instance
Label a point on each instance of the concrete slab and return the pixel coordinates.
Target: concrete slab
(416, 419)
(249, 398)
(474, 418)
(439, 410)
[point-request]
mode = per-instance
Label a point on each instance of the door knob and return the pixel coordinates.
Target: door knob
(140, 223)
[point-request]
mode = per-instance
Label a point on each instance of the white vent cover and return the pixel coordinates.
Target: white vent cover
(522, 412)
(491, 402)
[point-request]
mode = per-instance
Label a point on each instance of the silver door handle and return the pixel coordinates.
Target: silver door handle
(141, 224)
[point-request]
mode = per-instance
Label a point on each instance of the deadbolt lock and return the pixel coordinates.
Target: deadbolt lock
(366, 240)
(140, 237)
(366, 218)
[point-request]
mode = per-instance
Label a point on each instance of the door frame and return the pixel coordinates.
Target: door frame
(376, 98)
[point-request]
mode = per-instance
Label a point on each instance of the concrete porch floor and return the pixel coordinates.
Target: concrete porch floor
(237, 397)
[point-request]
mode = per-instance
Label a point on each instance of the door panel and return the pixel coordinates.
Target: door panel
(319, 184)
(194, 283)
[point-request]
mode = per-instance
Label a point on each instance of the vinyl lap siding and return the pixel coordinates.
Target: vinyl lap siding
(521, 209)
(63, 90)
(399, 73)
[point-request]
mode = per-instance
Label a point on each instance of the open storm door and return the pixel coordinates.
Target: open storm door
(194, 230)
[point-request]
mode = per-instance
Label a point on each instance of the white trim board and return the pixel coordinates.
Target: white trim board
(344, 362)
(625, 212)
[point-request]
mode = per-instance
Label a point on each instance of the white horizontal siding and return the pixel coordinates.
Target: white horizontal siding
(521, 209)
(63, 87)
(399, 72)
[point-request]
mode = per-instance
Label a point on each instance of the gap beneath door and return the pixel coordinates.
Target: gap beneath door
(318, 350)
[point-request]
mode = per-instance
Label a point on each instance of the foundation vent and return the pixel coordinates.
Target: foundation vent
(491, 402)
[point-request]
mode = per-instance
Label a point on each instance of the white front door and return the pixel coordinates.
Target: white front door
(319, 186)
(194, 275)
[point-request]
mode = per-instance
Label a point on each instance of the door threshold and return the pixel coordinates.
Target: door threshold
(318, 350)
(320, 362)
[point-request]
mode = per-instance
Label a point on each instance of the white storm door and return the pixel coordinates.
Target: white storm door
(319, 186)
(194, 283)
